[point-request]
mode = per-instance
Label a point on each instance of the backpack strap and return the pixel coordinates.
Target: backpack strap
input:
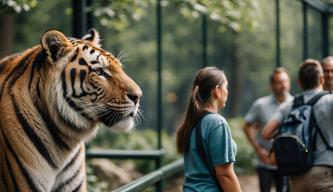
(298, 101)
(312, 102)
(323, 138)
(201, 150)
(314, 99)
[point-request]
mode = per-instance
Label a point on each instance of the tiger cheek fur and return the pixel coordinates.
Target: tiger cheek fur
(52, 96)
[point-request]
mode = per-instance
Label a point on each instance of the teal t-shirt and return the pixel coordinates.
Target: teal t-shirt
(220, 149)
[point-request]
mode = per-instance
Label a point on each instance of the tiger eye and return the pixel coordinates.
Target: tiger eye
(99, 71)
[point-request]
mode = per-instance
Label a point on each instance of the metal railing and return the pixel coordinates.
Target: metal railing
(155, 155)
(125, 154)
(153, 177)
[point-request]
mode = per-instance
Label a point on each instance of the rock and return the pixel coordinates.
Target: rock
(109, 172)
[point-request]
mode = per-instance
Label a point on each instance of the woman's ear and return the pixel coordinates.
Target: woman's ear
(93, 37)
(55, 44)
(216, 92)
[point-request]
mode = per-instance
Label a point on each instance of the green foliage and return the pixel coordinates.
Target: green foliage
(94, 184)
(32, 24)
(117, 14)
(137, 140)
(16, 6)
(246, 158)
(232, 14)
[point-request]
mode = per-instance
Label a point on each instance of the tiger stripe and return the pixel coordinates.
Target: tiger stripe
(33, 136)
(11, 172)
(53, 129)
(15, 70)
(73, 76)
(38, 63)
(72, 161)
(83, 62)
(68, 100)
(75, 55)
(78, 187)
(67, 182)
(23, 170)
(85, 47)
(68, 123)
(6, 171)
(19, 70)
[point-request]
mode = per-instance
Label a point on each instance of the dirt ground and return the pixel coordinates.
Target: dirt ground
(249, 183)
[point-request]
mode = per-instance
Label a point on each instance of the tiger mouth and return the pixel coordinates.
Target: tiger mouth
(123, 125)
(118, 121)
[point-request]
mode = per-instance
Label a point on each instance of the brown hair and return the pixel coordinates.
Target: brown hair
(206, 79)
(309, 74)
(276, 71)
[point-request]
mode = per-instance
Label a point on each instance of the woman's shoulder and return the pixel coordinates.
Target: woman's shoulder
(214, 120)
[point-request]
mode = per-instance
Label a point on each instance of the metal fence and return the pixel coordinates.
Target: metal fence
(153, 177)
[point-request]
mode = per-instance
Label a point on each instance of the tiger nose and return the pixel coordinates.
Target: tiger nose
(135, 97)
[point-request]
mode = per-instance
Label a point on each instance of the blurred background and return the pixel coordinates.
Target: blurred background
(241, 40)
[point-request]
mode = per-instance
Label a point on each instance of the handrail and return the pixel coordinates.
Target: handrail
(148, 180)
(125, 154)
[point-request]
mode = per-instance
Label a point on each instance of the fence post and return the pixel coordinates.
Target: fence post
(325, 34)
(305, 30)
(204, 40)
(277, 33)
(159, 186)
(79, 18)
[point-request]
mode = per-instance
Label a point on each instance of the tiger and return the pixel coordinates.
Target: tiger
(53, 98)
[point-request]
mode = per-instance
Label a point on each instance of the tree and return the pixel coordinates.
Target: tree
(8, 9)
(16, 6)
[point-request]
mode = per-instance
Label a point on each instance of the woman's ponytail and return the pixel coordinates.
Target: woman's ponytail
(192, 116)
(206, 79)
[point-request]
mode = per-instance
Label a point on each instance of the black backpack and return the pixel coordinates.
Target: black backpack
(296, 141)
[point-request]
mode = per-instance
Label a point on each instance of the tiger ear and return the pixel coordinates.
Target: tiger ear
(93, 37)
(55, 44)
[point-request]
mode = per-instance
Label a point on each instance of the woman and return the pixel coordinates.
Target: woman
(209, 94)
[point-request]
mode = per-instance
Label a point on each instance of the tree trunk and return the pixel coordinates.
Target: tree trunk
(236, 82)
(7, 32)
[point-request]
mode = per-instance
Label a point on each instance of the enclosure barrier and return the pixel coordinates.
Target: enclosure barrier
(153, 177)
(125, 154)
(155, 155)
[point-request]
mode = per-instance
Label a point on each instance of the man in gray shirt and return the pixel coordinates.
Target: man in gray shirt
(320, 177)
(261, 111)
(327, 64)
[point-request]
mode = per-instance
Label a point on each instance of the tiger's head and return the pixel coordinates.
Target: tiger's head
(87, 85)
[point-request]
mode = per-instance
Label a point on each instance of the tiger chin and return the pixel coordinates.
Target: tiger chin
(52, 99)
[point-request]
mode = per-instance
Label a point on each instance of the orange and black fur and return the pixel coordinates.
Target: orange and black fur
(52, 97)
